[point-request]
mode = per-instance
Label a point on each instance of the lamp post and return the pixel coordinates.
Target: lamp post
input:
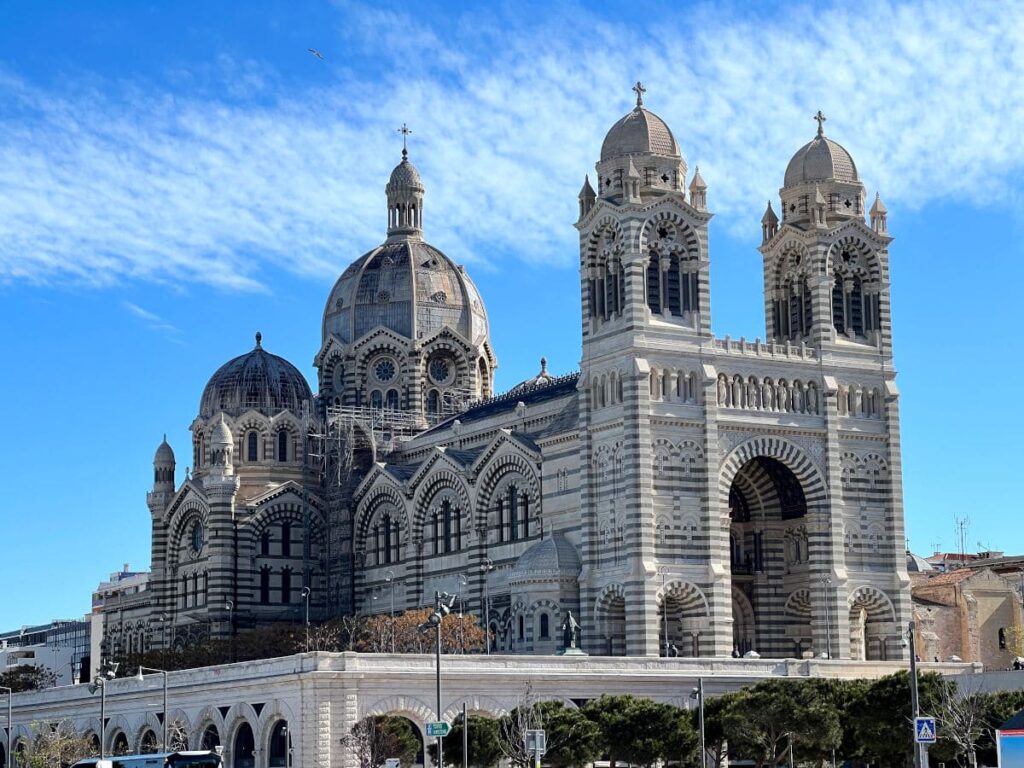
(825, 582)
(664, 605)
(305, 596)
(443, 603)
(389, 577)
(698, 694)
(10, 722)
(107, 672)
(229, 606)
(915, 704)
(163, 719)
(487, 566)
(463, 581)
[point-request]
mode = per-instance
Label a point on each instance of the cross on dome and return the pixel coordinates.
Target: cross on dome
(820, 117)
(639, 90)
(405, 131)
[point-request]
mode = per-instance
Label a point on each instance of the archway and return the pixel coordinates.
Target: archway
(243, 754)
(769, 555)
(210, 739)
(611, 616)
(148, 743)
(687, 619)
(279, 748)
(872, 619)
(120, 744)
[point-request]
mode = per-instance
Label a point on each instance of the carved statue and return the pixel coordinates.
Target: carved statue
(570, 631)
(722, 389)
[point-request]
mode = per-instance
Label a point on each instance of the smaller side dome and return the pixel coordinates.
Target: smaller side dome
(552, 559)
(639, 133)
(164, 454)
(821, 159)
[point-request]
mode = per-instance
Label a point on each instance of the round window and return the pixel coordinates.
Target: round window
(384, 369)
(197, 537)
(440, 370)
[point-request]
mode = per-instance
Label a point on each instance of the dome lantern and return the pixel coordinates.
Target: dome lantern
(405, 196)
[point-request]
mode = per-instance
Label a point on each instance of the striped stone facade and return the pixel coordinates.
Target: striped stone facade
(683, 494)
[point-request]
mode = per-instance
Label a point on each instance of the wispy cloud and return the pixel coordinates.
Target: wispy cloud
(154, 322)
(107, 182)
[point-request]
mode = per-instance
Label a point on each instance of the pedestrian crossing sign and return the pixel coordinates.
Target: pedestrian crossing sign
(924, 730)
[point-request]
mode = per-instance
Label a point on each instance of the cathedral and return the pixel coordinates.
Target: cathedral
(681, 494)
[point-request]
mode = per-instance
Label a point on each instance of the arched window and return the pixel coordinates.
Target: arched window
(211, 739)
(526, 515)
(282, 445)
(848, 306)
(279, 746)
(513, 514)
(501, 520)
(376, 399)
(1002, 638)
(252, 450)
(286, 585)
(286, 539)
(121, 745)
(545, 627)
(654, 289)
(265, 585)
(391, 402)
(437, 533)
(522, 627)
(433, 403)
(184, 591)
(446, 513)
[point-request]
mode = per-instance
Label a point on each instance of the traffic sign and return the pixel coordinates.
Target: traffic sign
(924, 730)
(536, 742)
(439, 728)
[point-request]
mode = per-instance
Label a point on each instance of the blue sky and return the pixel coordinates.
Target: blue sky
(176, 176)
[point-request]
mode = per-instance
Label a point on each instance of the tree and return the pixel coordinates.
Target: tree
(458, 633)
(716, 710)
(375, 739)
(1000, 707)
(572, 738)
(28, 678)
(961, 720)
(640, 731)
(54, 746)
(776, 715)
(484, 742)
(881, 716)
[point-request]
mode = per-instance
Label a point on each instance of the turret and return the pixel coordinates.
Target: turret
(769, 224)
(405, 197)
(587, 197)
(698, 191)
(163, 467)
(878, 215)
(221, 445)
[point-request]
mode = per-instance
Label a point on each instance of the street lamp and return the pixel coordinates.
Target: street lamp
(463, 582)
(389, 577)
(229, 606)
(163, 672)
(664, 604)
(107, 672)
(10, 722)
(443, 602)
(908, 640)
(487, 566)
(698, 694)
(305, 596)
(825, 582)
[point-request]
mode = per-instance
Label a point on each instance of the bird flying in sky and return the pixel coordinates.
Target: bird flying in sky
(316, 53)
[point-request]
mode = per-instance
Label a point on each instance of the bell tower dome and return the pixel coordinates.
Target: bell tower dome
(405, 197)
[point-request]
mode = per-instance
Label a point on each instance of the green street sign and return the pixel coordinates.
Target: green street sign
(439, 729)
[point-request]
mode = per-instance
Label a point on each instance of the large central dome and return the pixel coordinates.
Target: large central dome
(408, 286)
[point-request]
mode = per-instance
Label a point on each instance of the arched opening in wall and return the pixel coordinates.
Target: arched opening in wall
(377, 739)
(769, 553)
(611, 614)
(210, 740)
(483, 384)
(742, 623)
(433, 404)
(282, 445)
(872, 618)
(280, 748)
(243, 754)
(120, 744)
(147, 746)
(687, 619)
(252, 447)
(391, 400)
(94, 745)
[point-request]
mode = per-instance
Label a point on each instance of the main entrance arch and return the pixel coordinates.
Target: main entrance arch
(770, 491)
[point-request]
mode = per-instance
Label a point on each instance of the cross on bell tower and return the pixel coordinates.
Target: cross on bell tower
(405, 131)
(639, 90)
(820, 117)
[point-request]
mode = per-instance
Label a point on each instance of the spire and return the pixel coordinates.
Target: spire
(820, 117)
(259, 340)
(405, 131)
(878, 215)
(405, 195)
(640, 91)
(698, 191)
(587, 197)
(769, 224)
